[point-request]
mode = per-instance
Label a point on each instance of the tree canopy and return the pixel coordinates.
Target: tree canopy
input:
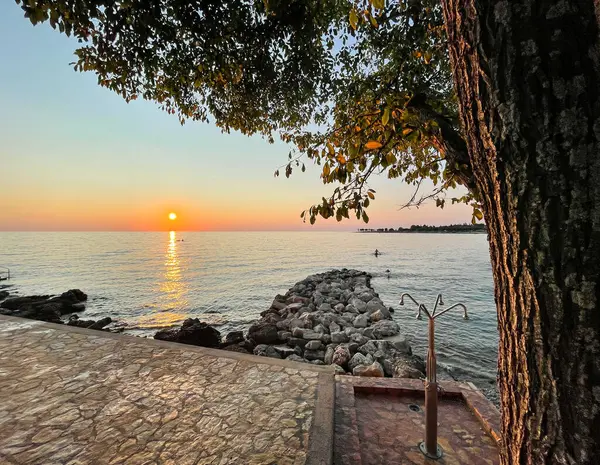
(359, 88)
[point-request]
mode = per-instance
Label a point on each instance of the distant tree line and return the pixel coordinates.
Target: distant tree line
(451, 228)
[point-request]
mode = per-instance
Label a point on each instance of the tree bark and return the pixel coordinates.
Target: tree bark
(527, 76)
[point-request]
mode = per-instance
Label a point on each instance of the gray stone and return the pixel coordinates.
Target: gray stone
(324, 307)
(313, 345)
(263, 333)
(352, 330)
(359, 338)
(385, 328)
(339, 308)
(296, 323)
(295, 358)
(326, 338)
(339, 337)
(368, 332)
(284, 335)
(320, 329)
(357, 359)
(296, 342)
(408, 368)
(284, 351)
(265, 350)
(350, 309)
(368, 348)
(339, 370)
(366, 296)
(374, 370)
(311, 335)
(361, 321)
(329, 354)
(377, 316)
(323, 288)
(314, 354)
(283, 325)
(359, 305)
(401, 344)
(234, 337)
(317, 362)
(294, 307)
(334, 327)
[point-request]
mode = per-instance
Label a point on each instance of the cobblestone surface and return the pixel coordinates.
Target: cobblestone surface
(76, 397)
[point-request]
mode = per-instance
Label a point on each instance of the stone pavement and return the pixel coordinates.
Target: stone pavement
(75, 396)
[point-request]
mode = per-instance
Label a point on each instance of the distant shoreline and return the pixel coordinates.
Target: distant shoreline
(422, 232)
(447, 229)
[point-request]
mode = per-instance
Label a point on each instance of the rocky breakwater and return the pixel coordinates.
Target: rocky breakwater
(334, 318)
(61, 309)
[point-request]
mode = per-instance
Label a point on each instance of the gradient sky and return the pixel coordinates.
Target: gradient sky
(75, 156)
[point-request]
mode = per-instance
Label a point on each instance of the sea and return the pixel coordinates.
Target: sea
(147, 281)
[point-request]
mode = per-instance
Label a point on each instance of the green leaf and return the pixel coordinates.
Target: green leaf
(379, 4)
(386, 116)
(478, 214)
(365, 217)
(353, 18)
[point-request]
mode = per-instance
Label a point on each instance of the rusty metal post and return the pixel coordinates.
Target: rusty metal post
(430, 446)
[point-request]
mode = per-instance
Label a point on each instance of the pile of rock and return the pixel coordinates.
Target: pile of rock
(333, 318)
(52, 309)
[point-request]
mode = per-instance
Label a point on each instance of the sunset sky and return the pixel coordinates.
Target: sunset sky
(75, 156)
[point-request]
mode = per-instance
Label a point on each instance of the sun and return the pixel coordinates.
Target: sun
(172, 216)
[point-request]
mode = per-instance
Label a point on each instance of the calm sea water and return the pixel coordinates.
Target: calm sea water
(155, 280)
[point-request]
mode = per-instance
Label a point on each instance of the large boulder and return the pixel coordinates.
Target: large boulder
(408, 367)
(359, 305)
(339, 337)
(385, 328)
(361, 321)
(341, 356)
(357, 359)
(314, 355)
(16, 303)
(193, 332)
(265, 350)
(375, 370)
(313, 345)
(328, 359)
(263, 332)
(72, 296)
(234, 337)
(89, 324)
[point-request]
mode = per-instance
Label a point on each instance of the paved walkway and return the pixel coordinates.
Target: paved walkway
(73, 396)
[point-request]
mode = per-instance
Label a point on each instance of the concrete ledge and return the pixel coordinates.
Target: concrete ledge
(126, 338)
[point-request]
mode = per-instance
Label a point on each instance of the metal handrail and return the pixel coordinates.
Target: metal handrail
(429, 447)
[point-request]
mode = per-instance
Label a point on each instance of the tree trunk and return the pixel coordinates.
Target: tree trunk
(527, 76)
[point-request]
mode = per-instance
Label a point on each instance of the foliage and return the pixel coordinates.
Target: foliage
(358, 87)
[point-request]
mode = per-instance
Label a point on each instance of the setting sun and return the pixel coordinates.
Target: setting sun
(172, 216)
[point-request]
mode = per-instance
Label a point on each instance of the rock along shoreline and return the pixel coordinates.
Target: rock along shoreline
(333, 318)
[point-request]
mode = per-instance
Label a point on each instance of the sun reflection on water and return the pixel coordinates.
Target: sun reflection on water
(173, 302)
